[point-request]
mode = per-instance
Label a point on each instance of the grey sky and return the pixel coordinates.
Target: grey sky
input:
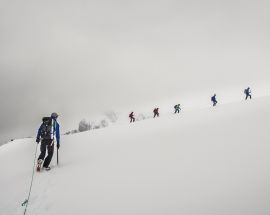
(86, 57)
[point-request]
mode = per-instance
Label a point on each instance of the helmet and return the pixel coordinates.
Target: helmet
(54, 115)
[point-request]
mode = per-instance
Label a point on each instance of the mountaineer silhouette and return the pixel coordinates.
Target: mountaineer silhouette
(131, 116)
(214, 100)
(156, 113)
(177, 108)
(248, 93)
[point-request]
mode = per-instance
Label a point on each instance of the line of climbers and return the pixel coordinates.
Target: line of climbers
(49, 132)
(177, 108)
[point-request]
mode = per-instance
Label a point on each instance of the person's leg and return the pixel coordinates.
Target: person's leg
(50, 148)
(42, 150)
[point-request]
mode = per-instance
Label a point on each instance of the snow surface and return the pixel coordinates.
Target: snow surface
(211, 161)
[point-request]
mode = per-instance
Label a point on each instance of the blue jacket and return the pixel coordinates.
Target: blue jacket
(56, 131)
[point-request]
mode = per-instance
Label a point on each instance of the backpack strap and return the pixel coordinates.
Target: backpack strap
(52, 130)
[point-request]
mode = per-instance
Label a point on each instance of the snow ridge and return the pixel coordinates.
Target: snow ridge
(209, 161)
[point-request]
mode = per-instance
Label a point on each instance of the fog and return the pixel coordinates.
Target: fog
(86, 57)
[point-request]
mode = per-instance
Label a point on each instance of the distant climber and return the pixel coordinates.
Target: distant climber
(248, 93)
(177, 108)
(214, 100)
(47, 133)
(131, 116)
(156, 113)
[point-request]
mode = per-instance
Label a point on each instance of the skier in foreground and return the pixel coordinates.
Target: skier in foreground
(156, 113)
(248, 93)
(214, 100)
(47, 133)
(177, 108)
(131, 116)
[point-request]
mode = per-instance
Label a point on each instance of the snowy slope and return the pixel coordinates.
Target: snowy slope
(205, 162)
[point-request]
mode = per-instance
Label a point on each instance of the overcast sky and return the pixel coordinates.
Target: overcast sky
(86, 57)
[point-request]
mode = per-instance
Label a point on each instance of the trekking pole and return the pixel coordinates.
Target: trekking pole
(57, 157)
(26, 202)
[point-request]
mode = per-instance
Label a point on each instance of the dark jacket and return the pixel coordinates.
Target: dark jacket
(56, 131)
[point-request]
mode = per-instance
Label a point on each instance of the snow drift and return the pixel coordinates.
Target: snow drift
(205, 162)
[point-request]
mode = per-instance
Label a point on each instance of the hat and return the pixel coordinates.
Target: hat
(54, 115)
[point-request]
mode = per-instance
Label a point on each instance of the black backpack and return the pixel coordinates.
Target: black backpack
(46, 128)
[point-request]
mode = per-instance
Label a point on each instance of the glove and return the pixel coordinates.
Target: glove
(58, 145)
(37, 140)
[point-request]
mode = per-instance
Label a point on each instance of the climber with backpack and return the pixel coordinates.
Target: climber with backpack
(48, 132)
(156, 113)
(248, 93)
(214, 100)
(131, 116)
(177, 108)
